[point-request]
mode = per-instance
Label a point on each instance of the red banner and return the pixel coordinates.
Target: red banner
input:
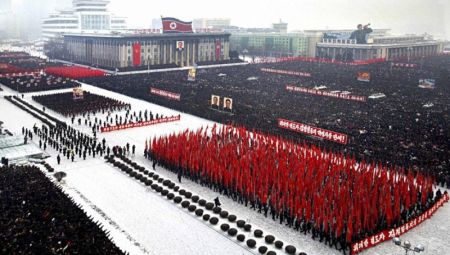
(140, 124)
(166, 94)
(326, 93)
(136, 54)
(218, 50)
(172, 25)
(389, 234)
(269, 70)
(313, 131)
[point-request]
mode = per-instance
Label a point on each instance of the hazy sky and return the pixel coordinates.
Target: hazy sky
(403, 16)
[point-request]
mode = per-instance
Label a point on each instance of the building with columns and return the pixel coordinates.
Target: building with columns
(131, 50)
(385, 47)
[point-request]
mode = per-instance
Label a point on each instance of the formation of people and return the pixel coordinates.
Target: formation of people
(35, 83)
(38, 218)
(408, 127)
(65, 103)
(329, 195)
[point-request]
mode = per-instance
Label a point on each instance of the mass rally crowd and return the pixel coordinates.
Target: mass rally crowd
(408, 127)
(65, 103)
(36, 217)
(38, 82)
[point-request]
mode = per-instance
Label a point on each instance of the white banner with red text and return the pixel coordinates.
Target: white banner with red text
(277, 71)
(326, 93)
(166, 94)
(20, 74)
(397, 64)
(140, 124)
(313, 131)
(389, 234)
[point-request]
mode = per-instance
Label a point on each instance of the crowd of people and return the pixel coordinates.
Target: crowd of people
(38, 82)
(69, 142)
(65, 104)
(97, 121)
(22, 61)
(330, 195)
(36, 217)
(408, 127)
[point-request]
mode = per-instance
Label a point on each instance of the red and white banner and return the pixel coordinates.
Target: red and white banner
(403, 65)
(140, 124)
(172, 25)
(136, 54)
(20, 74)
(326, 93)
(313, 131)
(389, 234)
(166, 94)
(218, 49)
(269, 70)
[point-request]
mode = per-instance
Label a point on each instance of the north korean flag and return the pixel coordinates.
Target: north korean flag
(172, 25)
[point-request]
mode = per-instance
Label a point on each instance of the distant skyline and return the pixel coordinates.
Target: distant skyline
(402, 16)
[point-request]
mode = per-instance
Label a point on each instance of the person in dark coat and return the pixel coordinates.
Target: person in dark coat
(360, 35)
(58, 158)
(217, 202)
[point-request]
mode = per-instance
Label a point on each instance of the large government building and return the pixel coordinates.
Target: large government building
(139, 50)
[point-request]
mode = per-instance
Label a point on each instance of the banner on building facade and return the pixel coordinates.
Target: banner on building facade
(313, 131)
(172, 25)
(140, 124)
(427, 83)
(363, 76)
(277, 71)
(180, 45)
(389, 234)
(218, 49)
(166, 94)
(136, 54)
(339, 95)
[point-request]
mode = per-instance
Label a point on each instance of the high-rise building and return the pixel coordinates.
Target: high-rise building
(204, 23)
(85, 16)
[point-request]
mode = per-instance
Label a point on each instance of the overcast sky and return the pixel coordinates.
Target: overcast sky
(403, 16)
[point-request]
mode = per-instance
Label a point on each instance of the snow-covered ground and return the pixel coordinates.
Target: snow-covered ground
(143, 222)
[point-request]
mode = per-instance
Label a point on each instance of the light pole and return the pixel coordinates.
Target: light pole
(407, 246)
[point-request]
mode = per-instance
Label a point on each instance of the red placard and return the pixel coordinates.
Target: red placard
(313, 131)
(140, 124)
(389, 234)
(277, 71)
(326, 93)
(166, 94)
